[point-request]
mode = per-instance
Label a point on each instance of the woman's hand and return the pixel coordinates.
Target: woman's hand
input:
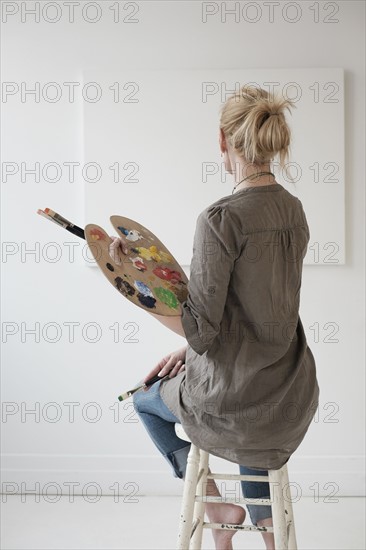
(116, 248)
(172, 364)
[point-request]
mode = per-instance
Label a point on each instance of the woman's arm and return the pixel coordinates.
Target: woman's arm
(217, 244)
(174, 323)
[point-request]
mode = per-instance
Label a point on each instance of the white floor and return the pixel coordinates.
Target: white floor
(151, 524)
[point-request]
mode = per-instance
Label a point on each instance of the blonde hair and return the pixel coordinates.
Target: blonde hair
(254, 123)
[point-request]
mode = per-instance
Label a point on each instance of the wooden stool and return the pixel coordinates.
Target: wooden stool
(192, 522)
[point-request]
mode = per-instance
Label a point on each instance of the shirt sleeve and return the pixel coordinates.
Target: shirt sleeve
(216, 246)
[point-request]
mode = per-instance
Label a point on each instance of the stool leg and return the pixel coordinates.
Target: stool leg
(278, 509)
(292, 543)
(189, 493)
(199, 508)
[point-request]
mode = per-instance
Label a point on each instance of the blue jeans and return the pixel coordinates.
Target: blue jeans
(159, 422)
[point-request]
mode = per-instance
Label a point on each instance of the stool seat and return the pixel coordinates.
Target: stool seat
(191, 523)
(179, 430)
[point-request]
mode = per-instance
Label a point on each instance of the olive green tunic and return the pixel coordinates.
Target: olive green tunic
(249, 390)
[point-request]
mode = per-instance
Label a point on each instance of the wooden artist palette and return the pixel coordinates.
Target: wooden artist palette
(149, 275)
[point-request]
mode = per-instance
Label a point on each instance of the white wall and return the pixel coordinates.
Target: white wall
(37, 290)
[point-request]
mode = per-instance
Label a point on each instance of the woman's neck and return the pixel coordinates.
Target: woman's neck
(247, 173)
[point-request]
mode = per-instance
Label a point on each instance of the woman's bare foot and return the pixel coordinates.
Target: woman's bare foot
(224, 512)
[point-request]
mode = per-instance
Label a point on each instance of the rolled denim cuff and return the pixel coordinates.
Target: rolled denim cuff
(178, 460)
(259, 512)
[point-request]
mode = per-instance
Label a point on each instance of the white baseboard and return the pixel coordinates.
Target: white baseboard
(325, 477)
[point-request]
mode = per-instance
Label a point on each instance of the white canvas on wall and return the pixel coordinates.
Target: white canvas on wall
(151, 150)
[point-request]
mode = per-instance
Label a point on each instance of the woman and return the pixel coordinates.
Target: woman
(245, 386)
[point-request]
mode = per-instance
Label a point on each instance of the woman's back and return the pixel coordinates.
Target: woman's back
(249, 391)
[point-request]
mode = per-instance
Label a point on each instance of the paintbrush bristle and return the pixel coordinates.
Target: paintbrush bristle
(129, 393)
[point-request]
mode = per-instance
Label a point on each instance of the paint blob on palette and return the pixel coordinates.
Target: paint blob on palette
(149, 275)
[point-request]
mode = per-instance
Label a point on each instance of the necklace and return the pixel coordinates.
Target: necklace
(252, 176)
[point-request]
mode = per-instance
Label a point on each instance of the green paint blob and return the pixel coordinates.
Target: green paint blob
(166, 296)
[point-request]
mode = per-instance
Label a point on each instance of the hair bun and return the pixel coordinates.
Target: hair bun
(245, 121)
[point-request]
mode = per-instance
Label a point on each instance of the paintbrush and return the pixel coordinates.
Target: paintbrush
(63, 222)
(66, 224)
(148, 383)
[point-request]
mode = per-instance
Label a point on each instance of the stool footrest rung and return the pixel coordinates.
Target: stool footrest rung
(251, 501)
(237, 476)
(234, 527)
